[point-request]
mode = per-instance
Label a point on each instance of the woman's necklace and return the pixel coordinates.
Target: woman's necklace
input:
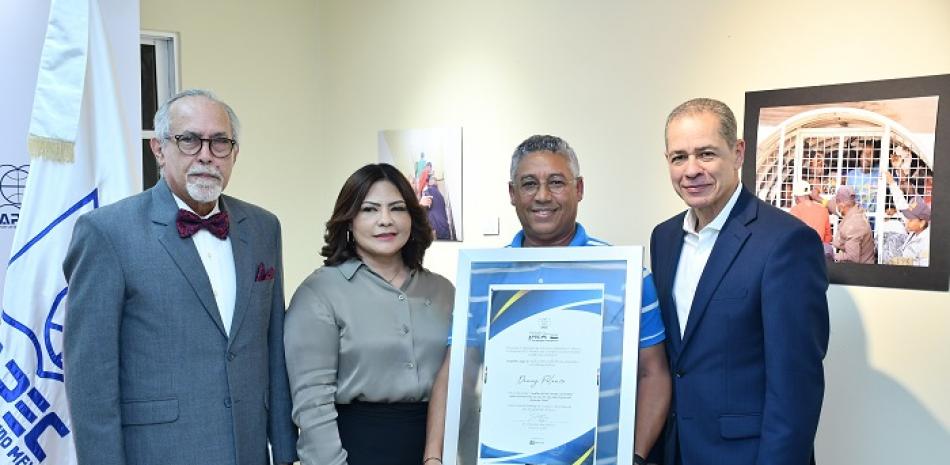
(398, 272)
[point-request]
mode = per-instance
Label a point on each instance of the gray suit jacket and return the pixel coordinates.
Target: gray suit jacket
(151, 375)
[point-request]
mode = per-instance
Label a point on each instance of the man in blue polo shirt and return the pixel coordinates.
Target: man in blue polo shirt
(545, 189)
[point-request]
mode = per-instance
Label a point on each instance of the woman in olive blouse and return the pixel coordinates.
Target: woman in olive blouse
(365, 334)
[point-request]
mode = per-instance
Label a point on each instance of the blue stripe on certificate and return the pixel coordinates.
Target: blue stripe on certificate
(512, 306)
(578, 451)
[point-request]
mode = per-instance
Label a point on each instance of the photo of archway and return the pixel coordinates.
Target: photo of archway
(431, 159)
(863, 172)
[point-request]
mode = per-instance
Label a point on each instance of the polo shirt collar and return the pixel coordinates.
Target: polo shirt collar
(580, 238)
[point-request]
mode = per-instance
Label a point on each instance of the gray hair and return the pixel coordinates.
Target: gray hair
(727, 120)
(163, 118)
(545, 143)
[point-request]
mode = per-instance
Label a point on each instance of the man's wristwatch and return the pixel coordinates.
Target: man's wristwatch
(637, 460)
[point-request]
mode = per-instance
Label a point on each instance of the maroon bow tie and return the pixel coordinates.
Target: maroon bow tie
(189, 223)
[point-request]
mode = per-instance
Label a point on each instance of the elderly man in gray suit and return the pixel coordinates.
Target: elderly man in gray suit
(174, 329)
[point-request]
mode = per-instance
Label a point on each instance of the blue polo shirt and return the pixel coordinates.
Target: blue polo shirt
(651, 326)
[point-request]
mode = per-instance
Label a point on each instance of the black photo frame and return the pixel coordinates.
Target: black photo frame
(936, 275)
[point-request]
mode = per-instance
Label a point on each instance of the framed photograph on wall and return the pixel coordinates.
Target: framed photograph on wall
(543, 360)
(875, 156)
(432, 161)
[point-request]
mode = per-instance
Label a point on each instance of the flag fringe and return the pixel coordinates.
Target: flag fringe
(51, 149)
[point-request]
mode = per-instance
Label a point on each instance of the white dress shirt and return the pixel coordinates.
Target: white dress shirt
(696, 249)
(218, 260)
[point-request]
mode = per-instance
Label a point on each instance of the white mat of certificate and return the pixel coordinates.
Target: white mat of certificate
(540, 386)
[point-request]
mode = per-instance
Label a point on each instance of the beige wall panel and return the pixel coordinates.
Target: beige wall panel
(314, 81)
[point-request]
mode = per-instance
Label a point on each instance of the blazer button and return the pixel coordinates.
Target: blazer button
(227, 402)
(231, 356)
(679, 374)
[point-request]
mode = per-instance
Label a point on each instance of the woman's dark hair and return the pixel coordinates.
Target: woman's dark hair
(340, 248)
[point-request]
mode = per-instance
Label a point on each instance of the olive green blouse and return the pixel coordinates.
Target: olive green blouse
(350, 335)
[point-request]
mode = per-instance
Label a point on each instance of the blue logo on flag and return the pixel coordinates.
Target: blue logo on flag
(26, 413)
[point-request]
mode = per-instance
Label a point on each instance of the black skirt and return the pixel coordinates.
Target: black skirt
(382, 433)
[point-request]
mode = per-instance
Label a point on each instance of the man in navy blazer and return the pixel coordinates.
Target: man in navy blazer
(741, 286)
(174, 327)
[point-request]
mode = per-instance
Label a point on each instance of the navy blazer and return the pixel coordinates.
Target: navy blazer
(748, 378)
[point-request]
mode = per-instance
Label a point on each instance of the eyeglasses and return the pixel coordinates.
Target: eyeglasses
(190, 144)
(531, 186)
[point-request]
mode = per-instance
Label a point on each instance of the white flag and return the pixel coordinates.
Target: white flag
(84, 153)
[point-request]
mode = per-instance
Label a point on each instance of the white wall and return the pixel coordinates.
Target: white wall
(260, 57)
(603, 75)
(22, 30)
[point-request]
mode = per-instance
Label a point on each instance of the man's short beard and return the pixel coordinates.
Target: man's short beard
(204, 190)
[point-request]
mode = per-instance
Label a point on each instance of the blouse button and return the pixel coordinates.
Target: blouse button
(410, 365)
(402, 297)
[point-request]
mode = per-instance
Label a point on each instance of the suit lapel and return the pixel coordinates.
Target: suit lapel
(730, 241)
(182, 251)
(667, 274)
(244, 267)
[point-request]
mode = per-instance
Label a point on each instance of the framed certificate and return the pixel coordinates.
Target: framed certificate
(544, 362)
